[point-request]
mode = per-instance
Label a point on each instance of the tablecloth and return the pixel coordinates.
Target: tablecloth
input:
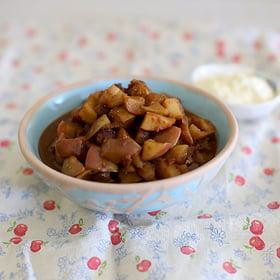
(230, 229)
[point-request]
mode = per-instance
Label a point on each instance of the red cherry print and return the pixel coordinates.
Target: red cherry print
(49, 205)
(63, 55)
(187, 36)
(236, 58)
(154, 213)
(116, 238)
(275, 140)
(220, 48)
(16, 63)
(239, 180)
(273, 205)
(187, 250)
(11, 105)
(204, 216)
(15, 240)
(271, 57)
(20, 230)
(269, 171)
(27, 171)
(257, 243)
(154, 35)
(26, 86)
(143, 266)
(113, 226)
(83, 41)
(228, 267)
(111, 37)
(129, 54)
(278, 252)
(36, 245)
(5, 143)
(74, 229)
(93, 263)
(257, 45)
(247, 150)
(256, 227)
(30, 32)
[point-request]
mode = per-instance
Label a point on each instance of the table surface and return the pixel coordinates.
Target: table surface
(205, 237)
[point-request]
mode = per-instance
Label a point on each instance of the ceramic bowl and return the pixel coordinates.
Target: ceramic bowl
(126, 198)
(241, 111)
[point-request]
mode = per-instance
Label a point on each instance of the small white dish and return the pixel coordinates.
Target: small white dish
(249, 111)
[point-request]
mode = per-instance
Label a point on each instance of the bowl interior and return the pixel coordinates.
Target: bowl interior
(69, 99)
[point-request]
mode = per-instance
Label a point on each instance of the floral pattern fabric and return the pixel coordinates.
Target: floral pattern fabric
(229, 230)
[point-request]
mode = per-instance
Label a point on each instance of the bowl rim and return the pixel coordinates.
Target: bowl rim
(72, 182)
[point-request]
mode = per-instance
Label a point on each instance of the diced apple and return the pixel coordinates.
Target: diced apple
(197, 133)
(203, 124)
(95, 162)
(129, 178)
(134, 104)
(87, 113)
(165, 170)
(119, 150)
(121, 116)
(186, 135)
(155, 122)
(138, 88)
(72, 167)
(101, 122)
(142, 136)
(112, 97)
(174, 107)
(154, 98)
(147, 172)
(153, 149)
(170, 135)
(69, 147)
(156, 108)
(137, 161)
(177, 154)
(68, 129)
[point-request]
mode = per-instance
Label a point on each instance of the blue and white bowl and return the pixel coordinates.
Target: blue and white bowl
(126, 198)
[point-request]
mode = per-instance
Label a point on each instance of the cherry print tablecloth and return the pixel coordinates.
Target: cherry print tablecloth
(229, 230)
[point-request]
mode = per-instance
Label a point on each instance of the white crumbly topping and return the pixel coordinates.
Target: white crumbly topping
(237, 88)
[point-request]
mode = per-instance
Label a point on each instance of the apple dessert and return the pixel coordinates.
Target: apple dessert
(128, 135)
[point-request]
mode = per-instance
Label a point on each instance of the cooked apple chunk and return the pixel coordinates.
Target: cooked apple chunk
(154, 98)
(134, 104)
(165, 170)
(170, 135)
(197, 133)
(72, 167)
(174, 107)
(101, 122)
(186, 134)
(155, 122)
(147, 172)
(112, 97)
(121, 116)
(202, 124)
(95, 162)
(156, 108)
(129, 177)
(153, 149)
(119, 150)
(87, 113)
(138, 88)
(178, 154)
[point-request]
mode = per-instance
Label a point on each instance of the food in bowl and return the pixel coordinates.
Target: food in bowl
(128, 135)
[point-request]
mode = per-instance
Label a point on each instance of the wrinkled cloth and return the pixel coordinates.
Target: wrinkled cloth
(229, 230)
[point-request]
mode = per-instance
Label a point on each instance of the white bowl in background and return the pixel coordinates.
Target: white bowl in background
(245, 111)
